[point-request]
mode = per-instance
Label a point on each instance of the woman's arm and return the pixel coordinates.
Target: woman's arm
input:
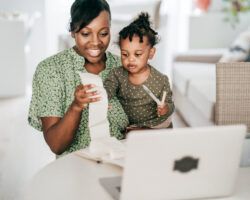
(60, 132)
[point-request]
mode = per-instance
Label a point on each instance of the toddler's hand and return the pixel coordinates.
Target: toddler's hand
(162, 110)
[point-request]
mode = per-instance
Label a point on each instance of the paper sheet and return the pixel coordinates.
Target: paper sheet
(107, 148)
(102, 145)
(98, 122)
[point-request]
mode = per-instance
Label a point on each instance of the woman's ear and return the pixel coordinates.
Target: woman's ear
(152, 53)
(72, 34)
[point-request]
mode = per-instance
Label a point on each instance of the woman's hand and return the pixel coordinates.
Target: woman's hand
(83, 97)
(162, 110)
(109, 107)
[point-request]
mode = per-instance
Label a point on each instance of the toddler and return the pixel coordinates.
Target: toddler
(137, 41)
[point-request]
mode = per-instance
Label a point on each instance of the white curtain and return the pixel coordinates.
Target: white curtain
(176, 11)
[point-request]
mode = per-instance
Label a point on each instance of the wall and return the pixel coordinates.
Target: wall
(36, 41)
(12, 59)
(200, 30)
(215, 32)
(57, 17)
(43, 40)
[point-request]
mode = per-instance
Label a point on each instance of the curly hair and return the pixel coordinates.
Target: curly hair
(141, 26)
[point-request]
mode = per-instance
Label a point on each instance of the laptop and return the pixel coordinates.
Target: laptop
(184, 163)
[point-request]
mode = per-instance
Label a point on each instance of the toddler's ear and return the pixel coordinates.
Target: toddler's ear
(152, 53)
(72, 34)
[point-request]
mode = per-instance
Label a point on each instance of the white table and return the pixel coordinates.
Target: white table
(73, 177)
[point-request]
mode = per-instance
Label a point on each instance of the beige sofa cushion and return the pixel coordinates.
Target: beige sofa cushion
(200, 55)
(202, 93)
(183, 72)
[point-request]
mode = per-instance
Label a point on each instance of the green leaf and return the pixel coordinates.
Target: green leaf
(225, 10)
(234, 11)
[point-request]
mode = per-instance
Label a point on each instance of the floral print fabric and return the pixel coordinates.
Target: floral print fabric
(53, 88)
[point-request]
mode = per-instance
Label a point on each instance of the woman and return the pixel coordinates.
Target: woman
(59, 104)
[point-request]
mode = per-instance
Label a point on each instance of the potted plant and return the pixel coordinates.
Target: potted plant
(203, 4)
(233, 8)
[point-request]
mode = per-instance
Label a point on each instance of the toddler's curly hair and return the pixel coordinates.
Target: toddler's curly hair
(141, 26)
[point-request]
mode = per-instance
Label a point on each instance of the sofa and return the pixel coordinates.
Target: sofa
(207, 92)
(194, 86)
(203, 91)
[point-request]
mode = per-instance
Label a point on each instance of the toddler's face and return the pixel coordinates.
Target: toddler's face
(135, 54)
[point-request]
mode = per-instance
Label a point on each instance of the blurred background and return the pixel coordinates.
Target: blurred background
(31, 30)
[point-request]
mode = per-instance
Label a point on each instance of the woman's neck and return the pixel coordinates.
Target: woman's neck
(95, 68)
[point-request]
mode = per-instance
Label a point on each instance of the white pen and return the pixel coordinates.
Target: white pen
(163, 97)
(152, 95)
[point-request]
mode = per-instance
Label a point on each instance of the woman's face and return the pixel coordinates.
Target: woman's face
(93, 39)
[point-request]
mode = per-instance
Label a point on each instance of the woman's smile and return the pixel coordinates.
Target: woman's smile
(94, 52)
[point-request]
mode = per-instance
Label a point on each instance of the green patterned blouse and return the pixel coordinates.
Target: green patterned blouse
(53, 88)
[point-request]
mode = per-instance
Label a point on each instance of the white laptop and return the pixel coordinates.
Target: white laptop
(185, 163)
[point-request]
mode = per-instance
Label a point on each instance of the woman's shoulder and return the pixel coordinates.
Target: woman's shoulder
(54, 62)
(113, 59)
(56, 58)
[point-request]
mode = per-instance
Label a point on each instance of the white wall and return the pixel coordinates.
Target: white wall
(202, 30)
(186, 30)
(57, 17)
(215, 33)
(43, 41)
(37, 38)
(12, 59)
(216, 5)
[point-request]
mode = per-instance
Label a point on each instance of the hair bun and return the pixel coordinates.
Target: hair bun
(141, 26)
(142, 20)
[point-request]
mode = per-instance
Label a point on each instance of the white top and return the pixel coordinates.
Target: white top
(73, 177)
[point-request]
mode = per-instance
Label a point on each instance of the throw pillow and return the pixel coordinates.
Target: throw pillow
(239, 50)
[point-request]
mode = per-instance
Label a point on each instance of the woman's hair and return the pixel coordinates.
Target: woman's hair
(84, 11)
(141, 26)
